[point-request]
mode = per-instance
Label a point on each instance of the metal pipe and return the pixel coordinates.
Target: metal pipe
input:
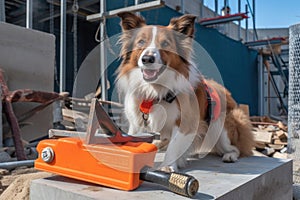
(225, 3)
(216, 7)
(239, 22)
(246, 31)
(136, 2)
(62, 75)
(2, 10)
(29, 11)
(103, 53)
(201, 9)
(260, 86)
(253, 17)
(182, 7)
(15, 164)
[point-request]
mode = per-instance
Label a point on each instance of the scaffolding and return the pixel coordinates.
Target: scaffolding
(273, 77)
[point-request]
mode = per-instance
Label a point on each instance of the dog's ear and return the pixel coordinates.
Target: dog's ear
(184, 24)
(131, 21)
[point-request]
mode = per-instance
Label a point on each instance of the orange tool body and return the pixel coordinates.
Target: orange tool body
(112, 165)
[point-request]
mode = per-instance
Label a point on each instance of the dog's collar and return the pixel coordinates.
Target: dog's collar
(146, 105)
(213, 103)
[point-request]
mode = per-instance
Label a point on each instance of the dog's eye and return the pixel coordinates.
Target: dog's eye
(164, 44)
(141, 43)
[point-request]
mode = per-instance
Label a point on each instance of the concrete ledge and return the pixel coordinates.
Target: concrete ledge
(250, 178)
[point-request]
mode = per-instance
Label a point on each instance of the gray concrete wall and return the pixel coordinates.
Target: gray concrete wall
(28, 58)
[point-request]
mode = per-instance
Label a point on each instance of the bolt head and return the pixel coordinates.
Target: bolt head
(47, 154)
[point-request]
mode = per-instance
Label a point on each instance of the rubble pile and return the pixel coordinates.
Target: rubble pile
(271, 137)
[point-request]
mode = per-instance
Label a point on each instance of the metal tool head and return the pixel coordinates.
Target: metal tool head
(101, 129)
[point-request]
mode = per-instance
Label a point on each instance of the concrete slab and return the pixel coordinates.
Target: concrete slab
(250, 178)
(27, 57)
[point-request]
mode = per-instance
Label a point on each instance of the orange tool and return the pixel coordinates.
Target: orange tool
(111, 158)
(106, 164)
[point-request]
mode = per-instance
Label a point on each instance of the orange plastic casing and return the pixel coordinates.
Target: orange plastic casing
(111, 165)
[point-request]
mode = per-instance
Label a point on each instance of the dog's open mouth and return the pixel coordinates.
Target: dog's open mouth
(152, 74)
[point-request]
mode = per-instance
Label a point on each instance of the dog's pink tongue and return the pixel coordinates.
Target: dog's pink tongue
(149, 73)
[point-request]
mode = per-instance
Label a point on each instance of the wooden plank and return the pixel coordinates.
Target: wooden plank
(278, 141)
(276, 146)
(53, 133)
(262, 136)
(280, 155)
(282, 135)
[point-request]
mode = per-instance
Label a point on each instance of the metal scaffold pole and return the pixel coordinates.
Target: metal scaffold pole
(103, 53)
(201, 9)
(182, 6)
(260, 85)
(2, 10)
(253, 16)
(239, 22)
(216, 8)
(246, 32)
(29, 11)
(136, 2)
(62, 75)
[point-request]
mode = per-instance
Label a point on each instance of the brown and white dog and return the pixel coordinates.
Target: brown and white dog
(164, 92)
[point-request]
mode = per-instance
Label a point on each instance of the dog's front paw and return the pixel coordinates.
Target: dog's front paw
(230, 157)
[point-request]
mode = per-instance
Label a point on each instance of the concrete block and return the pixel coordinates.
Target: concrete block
(27, 57)
(250, 178)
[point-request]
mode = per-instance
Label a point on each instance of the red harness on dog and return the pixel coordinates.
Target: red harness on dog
(213, 104)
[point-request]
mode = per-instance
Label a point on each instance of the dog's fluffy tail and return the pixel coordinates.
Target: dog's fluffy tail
(243, 137)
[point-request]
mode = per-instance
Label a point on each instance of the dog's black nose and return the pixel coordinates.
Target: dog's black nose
(148, 59)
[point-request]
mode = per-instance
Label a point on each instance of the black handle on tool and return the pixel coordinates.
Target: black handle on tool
(179, 183)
